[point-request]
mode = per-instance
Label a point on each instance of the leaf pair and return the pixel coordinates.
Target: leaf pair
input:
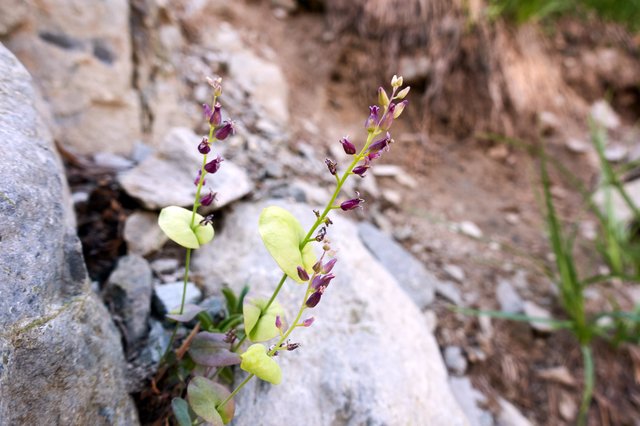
(204, 397)
(175, 222)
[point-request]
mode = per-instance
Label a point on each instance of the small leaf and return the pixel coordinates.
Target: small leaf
(188, 313)
(204, 395)
(256, 361)
(212, 350)
(260, 326)
(181, 411)
(175, 222)
(230, 298)
(282, 235)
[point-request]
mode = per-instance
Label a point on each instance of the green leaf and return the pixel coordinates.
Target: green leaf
(256, 361)
(181, 411)
(282, 235)
(230, 298)
(175, 222)
(260, 325)
(204, 395)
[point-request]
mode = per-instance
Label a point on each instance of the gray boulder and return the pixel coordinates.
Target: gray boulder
(367, 359)
(61, 360)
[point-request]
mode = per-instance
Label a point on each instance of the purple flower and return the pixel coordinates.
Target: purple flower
(372, 121)
(304, 276)
(387, 119)
(320, 282)
(204, 147)
(197, 180)
(327, 267)
(216, 116)
(360, 170)
(213, 165)
(380, 144)
(206, 110)
(278, 322)
(332, 166)
(349, 148)
(314, 299)
(225, 130)
(352, 203)
(308, 322)
(208, 199)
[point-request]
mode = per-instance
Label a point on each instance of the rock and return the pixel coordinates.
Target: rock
(431, 319)
(455, 272)
(128, 296)
(216, 307)
(167, 297)
(499, 152)
(145, 364)
(620, 207)
(470, 229)
(166, 178)
(164, 266)
(61, 358)
(142, 233)
(83, 65)
(535, 311)
(559, 374)
(455, 360)
(112, 161)
(508, 298)
(577, 145)
(509, 415)
(414, 69)
(615, 153)
(386, 170)
(567, 407)
(469, 400)
(413, 277)
(449, 291)
(392, 197)
(360, 319)
(603, 114)
(368, 186)
(549, 122)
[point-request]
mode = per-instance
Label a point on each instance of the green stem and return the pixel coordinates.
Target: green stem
(589, 379)
(187, 261)
(303, 307)
(236, 347)
(275, 292)
(235, 391)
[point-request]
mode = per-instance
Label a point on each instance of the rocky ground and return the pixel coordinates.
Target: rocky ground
(454, 221)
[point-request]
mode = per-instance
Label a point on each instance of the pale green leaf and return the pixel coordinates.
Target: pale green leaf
(181, 411)
(260, 325)
(204, 395)
(255, 360)
(175, 222)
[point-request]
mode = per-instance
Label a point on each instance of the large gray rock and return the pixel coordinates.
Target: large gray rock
(166, 177)
(413, 277)
(79, 53)
(61, 360)
(368, 358)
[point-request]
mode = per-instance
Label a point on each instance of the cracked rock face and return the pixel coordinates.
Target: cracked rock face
(61, 359)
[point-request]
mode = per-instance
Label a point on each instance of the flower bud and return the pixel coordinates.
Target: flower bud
(387, 119)
(400, 108)
(320, 282)
(349, 148)
(225, 130)
(317, 266)
(314, 299)
(304, 276)
(351, 204)
(216, 84)
(360, 170)
(327, 267)
(204, 147)
(278, 322)
(383, 99)
(213, 165)
(206, 110)
(396, 81)
(208, 199)
(332, 166)
(216, 116)
(403, 93)
(380, 144)
(372, 121)
(308, 322)
(197, 180)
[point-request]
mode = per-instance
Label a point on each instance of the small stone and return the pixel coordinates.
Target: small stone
(508, 298)
(577, 145)
(486, 326)
(431, 319)
(476, 354)
(455, 360)
(403, 233)
(603, 114)
(215, 307)
(392, 197)
(386, 170)
(615, 153)
(533, 310)
(167, 297)
(558, 192)
(509, 415)
(164, 266)
(549, 122)
(455, 272)
(588, 230)
(369, 186)
(512, 218)
(405, 179)
(80, 197)
(567, 407)
(112, 161)
(142, 233)
(559, 375)
(450, 292)
(469, 399)
(499, 152)
(470, 229)
(140, 151)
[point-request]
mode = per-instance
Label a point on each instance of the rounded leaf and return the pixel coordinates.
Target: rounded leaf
(204, 396)
(260, 325)
(181, 411)
(256, 361)
(175, 222)
(282, 235)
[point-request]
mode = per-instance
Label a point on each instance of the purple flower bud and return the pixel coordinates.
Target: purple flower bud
(204, 147)
(314, 299)
(225, 130)
(352, 203)
(308, 322)
(197, 180)
(316, 266)
(320, 282)
(387, 119)
(292, 346)
(332, 166)
(206, 110)
(304, 276)
(349, 148)
(372, 121)
(380, 144)
(399, 108)
(327, 267)
(216, 116)
(278, 322)
(360, 170)
(208, 199)
(213, 165)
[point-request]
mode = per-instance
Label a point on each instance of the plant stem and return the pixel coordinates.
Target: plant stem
(187, 261)
(275, 292)
(589, 379)
(235, 391)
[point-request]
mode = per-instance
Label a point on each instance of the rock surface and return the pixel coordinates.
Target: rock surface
(142, 233)
(61, 360)
(348, 370)
(166, 177)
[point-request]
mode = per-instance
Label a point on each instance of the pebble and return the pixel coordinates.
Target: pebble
(508, 298)
(470, 229)
(164, 266)
(386, 170)
(470, 400)
(533, 310)
(509, 415)
(431, 320)
(567, 407)
(450, 292)
(112, 161)
(392, 197)
(576, 145)
(455, 272)
(169, 296)
(455, 360)
(615, 153)
(142, 233)
(603, 114)
(559, 374)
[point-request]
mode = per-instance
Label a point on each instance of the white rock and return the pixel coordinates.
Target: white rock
(559, 374)
(469, 399)
(455, 272)
(392, 197)
(470, 229)
(604, 115)
(615, 153)
(455, 359)
(567, 407)
(163, 266)
(509, 415)
(449, 291)
(386, 170)
(142, 233)
(577, 145)
(533, 310)
(508, 298)
(167, 297)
